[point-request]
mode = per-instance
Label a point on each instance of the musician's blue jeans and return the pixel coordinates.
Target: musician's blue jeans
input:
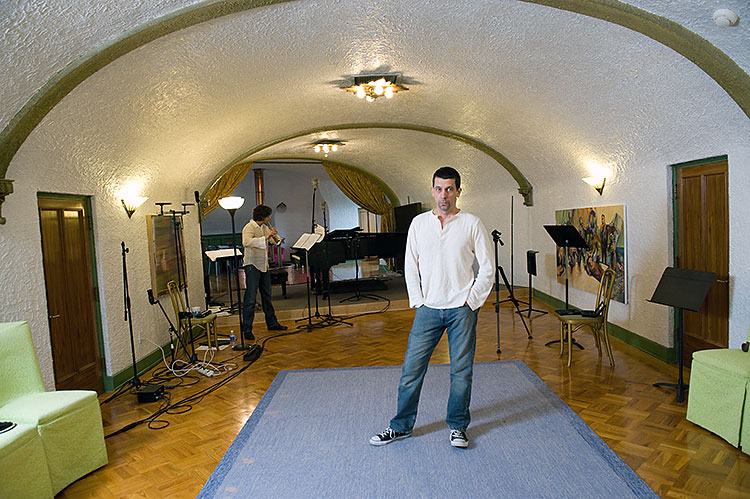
(255, 281)
(460, 324)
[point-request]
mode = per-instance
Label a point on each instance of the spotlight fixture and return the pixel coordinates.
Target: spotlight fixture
(131, 203)
(326, 146)
(596, 182)
(372, 86)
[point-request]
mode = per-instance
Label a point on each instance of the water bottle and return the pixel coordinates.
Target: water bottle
(232, 338)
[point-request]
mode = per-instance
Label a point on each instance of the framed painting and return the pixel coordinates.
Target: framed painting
(603, 228)
(163, 243)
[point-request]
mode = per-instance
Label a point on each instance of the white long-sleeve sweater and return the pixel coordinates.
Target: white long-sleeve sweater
(439, 266)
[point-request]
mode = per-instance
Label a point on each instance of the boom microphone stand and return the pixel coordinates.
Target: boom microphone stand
(136, 382)
(172, 329)
(511, 297)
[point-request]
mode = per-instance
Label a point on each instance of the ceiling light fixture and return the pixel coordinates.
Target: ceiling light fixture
(326, 146)
(597, 183)
(372, 86)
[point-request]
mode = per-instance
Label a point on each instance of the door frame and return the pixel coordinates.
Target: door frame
(86, 200)
(675, 230)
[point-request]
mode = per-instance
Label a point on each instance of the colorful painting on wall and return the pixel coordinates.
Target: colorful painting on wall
(603, 229)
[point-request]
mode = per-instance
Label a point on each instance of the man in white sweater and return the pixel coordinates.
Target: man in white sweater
(256, 236)
(443, 248)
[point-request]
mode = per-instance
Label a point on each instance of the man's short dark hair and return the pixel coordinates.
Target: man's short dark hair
(446, 172)
(260, 212)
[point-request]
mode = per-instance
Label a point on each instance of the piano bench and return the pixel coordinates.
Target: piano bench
(279, 276)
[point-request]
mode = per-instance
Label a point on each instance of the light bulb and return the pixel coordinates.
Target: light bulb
(334, 147)
(361, 92)
(389, 92)
(317, 147)
(378, 89)
(326, 148)
(370, 99)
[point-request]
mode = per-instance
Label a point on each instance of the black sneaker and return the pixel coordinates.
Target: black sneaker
(458, 439)
(388, 436)
(277, 327)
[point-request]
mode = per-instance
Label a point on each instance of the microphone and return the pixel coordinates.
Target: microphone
(496, 237)
(151, 298)
(197, 197)
(315, 183)
(323, 206)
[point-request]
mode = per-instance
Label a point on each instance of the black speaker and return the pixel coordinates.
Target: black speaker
(531, 262)
(403, 215)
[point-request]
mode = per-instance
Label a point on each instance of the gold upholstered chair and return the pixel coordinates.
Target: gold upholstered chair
(597, 324)
(184, 318)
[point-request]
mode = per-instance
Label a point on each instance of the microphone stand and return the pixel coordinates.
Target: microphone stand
(136, 382)
(499, 271)
(172, 330)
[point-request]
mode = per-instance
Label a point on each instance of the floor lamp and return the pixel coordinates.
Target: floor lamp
(232, 204)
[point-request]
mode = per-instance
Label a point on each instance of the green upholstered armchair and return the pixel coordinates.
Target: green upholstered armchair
(719, 394)
(68, 422)
(23, 467)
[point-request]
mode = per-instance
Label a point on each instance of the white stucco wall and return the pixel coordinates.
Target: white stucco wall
(52, 167)
(161, 116)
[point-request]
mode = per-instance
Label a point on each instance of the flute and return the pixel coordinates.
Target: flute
(275, 239)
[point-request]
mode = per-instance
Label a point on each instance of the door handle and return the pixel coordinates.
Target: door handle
(54, 316)
(723, 281)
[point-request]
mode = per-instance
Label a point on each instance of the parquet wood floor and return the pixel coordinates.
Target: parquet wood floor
(644, 425)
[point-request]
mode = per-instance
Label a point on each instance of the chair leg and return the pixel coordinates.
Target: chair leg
(605, 333)
(595, 332)
(562, 338)
(570, 344)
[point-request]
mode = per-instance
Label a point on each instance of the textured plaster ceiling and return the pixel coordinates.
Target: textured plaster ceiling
(551, 90)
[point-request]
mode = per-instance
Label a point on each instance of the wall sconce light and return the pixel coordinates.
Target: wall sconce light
(131, 203)
(596, 182)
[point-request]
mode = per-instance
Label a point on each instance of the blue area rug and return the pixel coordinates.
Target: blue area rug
(308, 437)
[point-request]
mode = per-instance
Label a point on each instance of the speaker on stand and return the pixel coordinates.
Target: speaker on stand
(531, 269)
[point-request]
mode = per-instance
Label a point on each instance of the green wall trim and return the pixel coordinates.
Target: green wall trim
(111, 383)
(652, 348)
(706, 56)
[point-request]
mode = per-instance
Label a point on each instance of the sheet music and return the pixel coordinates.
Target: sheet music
(222, 253)
(307, 241)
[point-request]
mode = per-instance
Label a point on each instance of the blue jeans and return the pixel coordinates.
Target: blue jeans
(429, 323)
(255, 281)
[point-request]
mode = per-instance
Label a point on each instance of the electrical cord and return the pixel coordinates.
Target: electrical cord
(181, 406)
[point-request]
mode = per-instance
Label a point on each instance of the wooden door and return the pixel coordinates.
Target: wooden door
(703, 214)
(71, 297)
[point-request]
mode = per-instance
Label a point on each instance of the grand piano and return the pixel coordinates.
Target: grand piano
(338, 246)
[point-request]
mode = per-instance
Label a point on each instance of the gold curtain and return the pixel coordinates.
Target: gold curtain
(361, 189)
(223, 187)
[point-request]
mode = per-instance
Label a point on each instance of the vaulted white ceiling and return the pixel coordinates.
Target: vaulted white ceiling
(551, 90)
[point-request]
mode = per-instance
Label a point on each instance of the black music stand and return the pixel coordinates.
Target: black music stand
(566, 236)
(354, 234)
(682, 289)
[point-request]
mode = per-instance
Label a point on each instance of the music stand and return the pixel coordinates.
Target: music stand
(566, 236)
(682, 289)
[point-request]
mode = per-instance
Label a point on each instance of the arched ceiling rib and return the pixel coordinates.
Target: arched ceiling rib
(524, 186)
(706, 56)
